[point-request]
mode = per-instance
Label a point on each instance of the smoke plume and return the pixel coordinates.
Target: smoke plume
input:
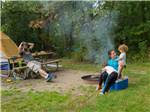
(90, 30)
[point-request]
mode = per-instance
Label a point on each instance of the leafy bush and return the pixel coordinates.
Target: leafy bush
(67, 21)
(141, 54)
(79, 55)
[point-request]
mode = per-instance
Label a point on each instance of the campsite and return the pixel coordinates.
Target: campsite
(75, 56)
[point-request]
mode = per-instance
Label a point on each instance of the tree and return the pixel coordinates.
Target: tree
(78, 28)
(15, 19)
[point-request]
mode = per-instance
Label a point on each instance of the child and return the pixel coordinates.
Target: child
(122, 58)
(111, 78)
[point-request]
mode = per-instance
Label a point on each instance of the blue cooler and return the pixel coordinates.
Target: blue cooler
(120, 84)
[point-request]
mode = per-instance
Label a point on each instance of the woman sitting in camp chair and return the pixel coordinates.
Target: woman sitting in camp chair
(35, 66)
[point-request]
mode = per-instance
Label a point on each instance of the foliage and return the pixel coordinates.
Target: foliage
(134, 26)
(141, 55)
(15, 17)
(79, 55)
(69, 26)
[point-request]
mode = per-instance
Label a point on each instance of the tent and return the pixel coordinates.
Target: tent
(7, 49)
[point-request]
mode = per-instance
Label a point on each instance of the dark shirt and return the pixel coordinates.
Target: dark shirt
(27, 56)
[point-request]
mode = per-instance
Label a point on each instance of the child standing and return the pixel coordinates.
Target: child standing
(122, 59)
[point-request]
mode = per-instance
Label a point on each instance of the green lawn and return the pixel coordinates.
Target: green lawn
(134, 99)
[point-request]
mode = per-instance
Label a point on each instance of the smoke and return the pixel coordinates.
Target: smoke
(93, 32)
(97, 36)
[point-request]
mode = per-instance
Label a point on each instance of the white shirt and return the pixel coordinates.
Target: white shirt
(122, 58)
(109, 69)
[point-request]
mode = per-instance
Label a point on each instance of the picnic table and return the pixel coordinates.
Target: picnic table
(39, 56)
(35, 55)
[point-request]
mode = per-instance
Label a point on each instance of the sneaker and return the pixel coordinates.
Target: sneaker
(49, 78)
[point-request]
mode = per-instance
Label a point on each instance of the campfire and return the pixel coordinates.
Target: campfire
(91, 78)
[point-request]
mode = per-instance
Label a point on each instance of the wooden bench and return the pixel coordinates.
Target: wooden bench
(24, 72)
(53, 61)
(44, 63)
(23, 67)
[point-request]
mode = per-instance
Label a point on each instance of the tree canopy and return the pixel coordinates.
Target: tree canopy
(83, 30)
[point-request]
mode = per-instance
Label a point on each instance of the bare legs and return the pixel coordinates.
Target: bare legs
(43, 73)
(121, 66)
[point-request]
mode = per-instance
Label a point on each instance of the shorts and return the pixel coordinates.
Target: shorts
(122, 63)
(34, 66)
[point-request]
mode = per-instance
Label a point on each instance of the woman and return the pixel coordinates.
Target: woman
(111, 62)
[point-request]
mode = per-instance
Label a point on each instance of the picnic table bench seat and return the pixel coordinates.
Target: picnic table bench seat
(14, 61)
(44, 63)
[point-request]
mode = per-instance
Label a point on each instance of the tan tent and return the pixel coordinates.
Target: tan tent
(7, 46)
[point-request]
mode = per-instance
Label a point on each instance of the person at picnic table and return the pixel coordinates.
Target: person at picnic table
(35, 66)
(111, 63)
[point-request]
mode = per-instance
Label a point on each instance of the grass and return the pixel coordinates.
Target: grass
(70, 64)
(134, 99)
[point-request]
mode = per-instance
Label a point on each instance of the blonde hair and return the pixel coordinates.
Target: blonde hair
(123, 47)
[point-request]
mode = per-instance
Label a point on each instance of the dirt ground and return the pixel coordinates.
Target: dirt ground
(67, 80)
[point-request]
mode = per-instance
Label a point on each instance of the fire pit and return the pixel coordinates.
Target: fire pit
(91, 78)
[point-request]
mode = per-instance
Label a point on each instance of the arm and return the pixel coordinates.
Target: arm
(31, 45)
(20, 48)
(21, 44)
(119, 58)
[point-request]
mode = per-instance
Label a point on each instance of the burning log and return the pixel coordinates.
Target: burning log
(93, 79)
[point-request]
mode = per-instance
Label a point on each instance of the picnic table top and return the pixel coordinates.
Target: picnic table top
(42, 53)
(35, 54)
